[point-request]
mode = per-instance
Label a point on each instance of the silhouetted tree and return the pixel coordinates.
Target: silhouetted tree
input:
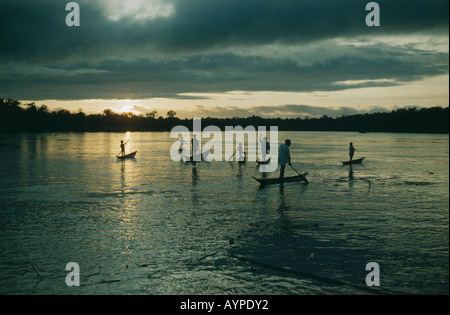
(152, 114)
(108, 112)
(29, 118)
(171, 114)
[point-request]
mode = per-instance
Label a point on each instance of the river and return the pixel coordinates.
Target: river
(154, 226)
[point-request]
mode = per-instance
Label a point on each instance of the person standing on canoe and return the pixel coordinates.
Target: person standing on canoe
(122, 147)
(195, 146)
(264, 147)
(284, 156)
(351, 151)
(182, 142)
(241, 153)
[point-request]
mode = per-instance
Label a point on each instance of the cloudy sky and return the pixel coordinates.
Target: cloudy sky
(274, 58)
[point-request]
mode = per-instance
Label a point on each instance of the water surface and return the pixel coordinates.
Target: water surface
(154, 226)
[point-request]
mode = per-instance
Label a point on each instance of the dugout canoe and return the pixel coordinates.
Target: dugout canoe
(357, 161)
(127, 156)
(263, 162)
(274, 181)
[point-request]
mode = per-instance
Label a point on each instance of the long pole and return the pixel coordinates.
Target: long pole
(301, 176)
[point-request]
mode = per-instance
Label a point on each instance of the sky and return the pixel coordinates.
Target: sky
(226, 58)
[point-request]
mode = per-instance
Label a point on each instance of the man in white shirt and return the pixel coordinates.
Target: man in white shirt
(284, 156)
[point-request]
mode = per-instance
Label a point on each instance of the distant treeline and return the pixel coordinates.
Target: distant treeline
(17, 117)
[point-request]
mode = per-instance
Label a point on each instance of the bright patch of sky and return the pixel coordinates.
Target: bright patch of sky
(137, 9)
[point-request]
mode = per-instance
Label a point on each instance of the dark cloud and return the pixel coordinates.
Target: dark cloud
(204, 24)
(211, 46)
(221, 73)
(36, 30)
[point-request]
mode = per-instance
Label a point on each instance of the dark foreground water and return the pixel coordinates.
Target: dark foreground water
(153, 226)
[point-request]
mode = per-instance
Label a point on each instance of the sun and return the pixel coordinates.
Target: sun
(125, 106)
(129, 109)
